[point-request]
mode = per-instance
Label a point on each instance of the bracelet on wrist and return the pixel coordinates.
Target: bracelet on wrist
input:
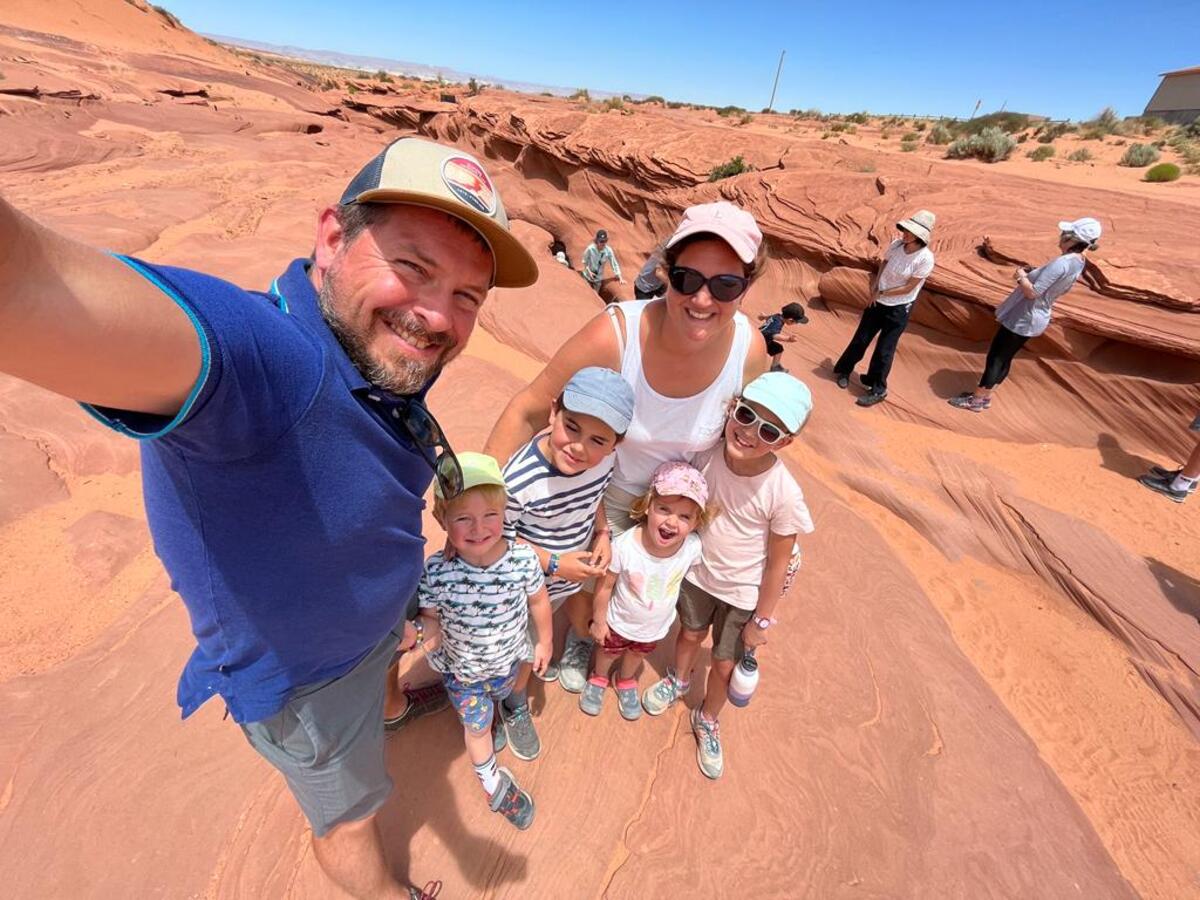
(552, 568)
(419, 627)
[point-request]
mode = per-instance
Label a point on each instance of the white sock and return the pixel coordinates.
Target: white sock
(1182, 483)
(488, 774)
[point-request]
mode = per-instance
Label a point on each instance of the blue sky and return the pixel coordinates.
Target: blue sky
(937, 58)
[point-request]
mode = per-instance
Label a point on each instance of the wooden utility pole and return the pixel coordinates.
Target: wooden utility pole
(775, 87)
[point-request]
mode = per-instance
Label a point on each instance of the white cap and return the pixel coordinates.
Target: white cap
(1086, 229)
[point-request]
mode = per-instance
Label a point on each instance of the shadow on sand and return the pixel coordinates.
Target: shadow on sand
(1115, 458)
(1181, 589)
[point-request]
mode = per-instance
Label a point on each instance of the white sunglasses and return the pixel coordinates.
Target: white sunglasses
(768, 432)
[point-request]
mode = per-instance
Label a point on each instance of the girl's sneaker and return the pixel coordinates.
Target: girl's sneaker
(511, 802)
(658, 698)
(708, 745)
(971, 402)
(551, 673)
(627, 698)
(591, 701)
(575, 663)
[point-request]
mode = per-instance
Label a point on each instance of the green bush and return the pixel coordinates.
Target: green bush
(1139, 155)
(990, 145)
(859, 118)
(908, 146)
(1106, 122)
(910, 136)
(581, 94)
(1080, 155)
(730, 111)
(939, 134)
(1041, 153)
(838, 127)
(735, 166)
(654, 98)
(614, 103)
(1048, 134)
(1008, 122)
(1162, 172)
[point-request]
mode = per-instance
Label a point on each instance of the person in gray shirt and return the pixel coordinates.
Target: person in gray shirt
(1026, 312)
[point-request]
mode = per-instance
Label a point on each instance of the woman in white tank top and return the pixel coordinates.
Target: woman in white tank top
(685, 356)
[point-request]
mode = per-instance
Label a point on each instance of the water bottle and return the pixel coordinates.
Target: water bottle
(744, 679)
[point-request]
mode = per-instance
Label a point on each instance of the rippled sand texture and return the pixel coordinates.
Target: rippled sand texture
(985, 680)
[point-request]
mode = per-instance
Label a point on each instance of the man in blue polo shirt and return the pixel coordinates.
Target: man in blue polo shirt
(286, 449)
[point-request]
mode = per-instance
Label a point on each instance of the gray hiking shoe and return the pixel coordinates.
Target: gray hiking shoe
(591, 700)
(657, 698)
(511, 802)
(1170, 475)
(1163, 486)
(708, 745)
(573, 668)
(522, 736)
(551, 673)
(627, 700)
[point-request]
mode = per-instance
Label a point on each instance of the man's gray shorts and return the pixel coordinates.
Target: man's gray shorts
(328, 742)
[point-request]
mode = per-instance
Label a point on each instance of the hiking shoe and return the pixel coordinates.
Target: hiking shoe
(422, 701)
(591, 701)
(575, 665)
(658, 698)
(1163, 486)
(499, 734)
(843, 381)
(511, 802)
(970, 402)
(429, 892)
(1170, 475)
(708, 745)
(865, 381)
(870, 399)
(551, 673)
(518, 728)
(627, 698)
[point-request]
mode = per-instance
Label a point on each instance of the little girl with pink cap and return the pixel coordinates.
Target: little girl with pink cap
(635, 601)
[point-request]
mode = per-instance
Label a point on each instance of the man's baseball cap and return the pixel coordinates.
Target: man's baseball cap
(601, 236)
(420, 172)
(596, 391)
(785, 395)
(730, 223)
(477, 469)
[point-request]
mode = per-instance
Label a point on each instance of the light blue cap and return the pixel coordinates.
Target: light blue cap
(596, 391)
(783, 394)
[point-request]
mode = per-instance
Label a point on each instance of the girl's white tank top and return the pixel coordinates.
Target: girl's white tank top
(668, 428)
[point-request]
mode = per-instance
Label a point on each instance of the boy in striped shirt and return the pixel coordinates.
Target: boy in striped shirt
(556, 488)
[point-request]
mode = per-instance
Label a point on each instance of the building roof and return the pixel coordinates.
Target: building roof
(1195, 70)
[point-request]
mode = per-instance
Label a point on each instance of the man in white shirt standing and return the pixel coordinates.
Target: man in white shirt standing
(902, 271)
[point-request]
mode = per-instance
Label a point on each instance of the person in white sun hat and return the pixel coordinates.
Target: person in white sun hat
(1025, 313)
(906, 264)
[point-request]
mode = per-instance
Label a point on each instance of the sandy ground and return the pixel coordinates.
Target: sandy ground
(985, 680)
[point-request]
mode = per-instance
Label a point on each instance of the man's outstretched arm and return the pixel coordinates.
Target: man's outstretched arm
(81, 323)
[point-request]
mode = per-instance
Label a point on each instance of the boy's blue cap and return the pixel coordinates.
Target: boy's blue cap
(783, 394)
(596, 391)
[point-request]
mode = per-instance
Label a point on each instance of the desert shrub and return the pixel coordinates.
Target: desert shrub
(825, 135)
(910, 136)
(382, 75)
(885, 133)
(920, 126)
(858, 118)
(838, 127)
(1022, 137)
(172, 19)
(807, 113)
(1008, 122)
(865, 168)
(1162, 172)
(614, 103)
(735, 166)
(1081, 155)
(908, 146)
(1041, 152)
(745, 119)
(1048, 134)
(581, 94)
(1149, 124)
(1106, 122)
(990, 145)
(675, 104)
(1138, 155)
(939, 134)
(654, 98)
(728, 111)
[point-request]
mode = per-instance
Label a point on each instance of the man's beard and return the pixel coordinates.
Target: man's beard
(398, 374)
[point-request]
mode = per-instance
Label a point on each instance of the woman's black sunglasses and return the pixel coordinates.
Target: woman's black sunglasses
(424, 431)
(725, 288)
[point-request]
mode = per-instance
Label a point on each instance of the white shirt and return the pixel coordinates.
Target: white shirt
(643, 601)
(900, 266)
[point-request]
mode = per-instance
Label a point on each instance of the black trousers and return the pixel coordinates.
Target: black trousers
(1005, 346)
(889, 323)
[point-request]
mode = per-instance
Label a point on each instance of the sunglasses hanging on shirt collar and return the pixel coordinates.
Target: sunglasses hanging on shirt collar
(415, 419)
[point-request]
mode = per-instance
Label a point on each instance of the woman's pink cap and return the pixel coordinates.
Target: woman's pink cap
(730, 223)
(678, 479)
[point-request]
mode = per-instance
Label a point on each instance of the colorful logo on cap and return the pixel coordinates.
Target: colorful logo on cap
(470, 184)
